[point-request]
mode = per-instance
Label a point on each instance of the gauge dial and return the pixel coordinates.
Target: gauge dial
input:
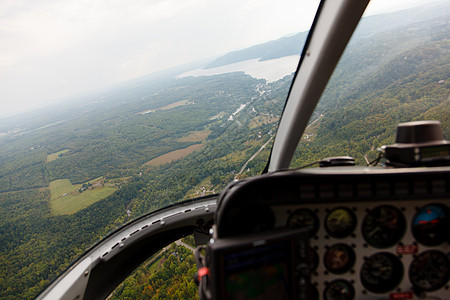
(383, 226)
(430, 225)
(339, 289)
(429, 271)
(340, 222)
(339, 258)
(304, 218)
(381, 272)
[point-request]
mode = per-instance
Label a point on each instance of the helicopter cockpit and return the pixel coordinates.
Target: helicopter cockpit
(338, 231)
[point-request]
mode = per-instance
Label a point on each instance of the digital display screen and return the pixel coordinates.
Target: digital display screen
(258, 273)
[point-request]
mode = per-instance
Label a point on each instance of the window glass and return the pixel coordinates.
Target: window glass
(394, 70)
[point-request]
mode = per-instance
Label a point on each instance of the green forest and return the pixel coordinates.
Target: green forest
(107, 139)
(167, 275)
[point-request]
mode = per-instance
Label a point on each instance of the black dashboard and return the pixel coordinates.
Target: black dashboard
(374, 233)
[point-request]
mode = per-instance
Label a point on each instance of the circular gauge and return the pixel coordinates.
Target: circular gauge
(429, 271)
(339, 258)
(383, 226)
(381, 272)
(339, 289)
(304, 218)
(430, 225)
(340, 222)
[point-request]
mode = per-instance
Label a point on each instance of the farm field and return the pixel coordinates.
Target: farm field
(55, 156)
(196, 136)
(66, 198)
(169, 106)
(173, 155)
(61, 186)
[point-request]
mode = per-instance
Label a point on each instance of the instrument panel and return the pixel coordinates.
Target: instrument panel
(373, 234)
(363, 249)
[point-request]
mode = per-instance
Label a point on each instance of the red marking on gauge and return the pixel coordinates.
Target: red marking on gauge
(406, 249)
(431, 221)
(401, 295)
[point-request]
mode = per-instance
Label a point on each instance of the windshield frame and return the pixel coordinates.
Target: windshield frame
(326, 42)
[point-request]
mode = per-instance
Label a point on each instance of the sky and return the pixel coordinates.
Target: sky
(51, 49)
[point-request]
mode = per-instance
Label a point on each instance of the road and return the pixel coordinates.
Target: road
(180, 243)
(251, 158)
(264, 146)
(155, 256)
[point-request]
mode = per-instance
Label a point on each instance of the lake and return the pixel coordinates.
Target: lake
(270, 70)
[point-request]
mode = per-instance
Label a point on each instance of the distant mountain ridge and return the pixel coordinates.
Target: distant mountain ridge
(274, 49)
(292, 45)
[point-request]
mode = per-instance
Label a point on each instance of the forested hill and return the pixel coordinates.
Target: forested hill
(363, 103)
(274, 49)
(388, 21)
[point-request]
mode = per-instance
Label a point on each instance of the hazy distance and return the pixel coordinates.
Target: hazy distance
(55, 49)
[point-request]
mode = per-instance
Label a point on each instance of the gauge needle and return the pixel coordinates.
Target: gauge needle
(338, 219)
(375, 230)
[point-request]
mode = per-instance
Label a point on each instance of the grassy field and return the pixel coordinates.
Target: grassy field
(218, 116)
(196, 136)
(55, 156)
(171, 105)
(174, 155)
(260, 120)
(66, 199)
(60, 187)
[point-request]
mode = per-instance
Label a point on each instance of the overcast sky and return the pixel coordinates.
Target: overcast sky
(50, 49)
